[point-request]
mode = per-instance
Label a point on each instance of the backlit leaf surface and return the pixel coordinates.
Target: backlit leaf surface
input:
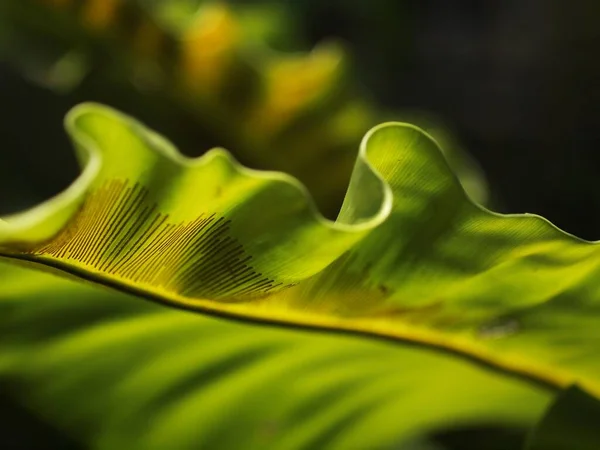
(117, 372)
(410, 257)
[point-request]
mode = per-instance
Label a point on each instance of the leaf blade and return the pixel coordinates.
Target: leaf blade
(103, 366)
(409, 269)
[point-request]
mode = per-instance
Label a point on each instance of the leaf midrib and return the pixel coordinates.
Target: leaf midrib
(546, 378)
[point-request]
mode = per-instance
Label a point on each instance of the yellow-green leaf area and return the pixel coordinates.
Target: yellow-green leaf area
(410, 258)
(115, 372)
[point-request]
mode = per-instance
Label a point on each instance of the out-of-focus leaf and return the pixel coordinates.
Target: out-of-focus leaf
(295, 112)
(267, 23)
(118, 372)
(410, 258)
(572, 422)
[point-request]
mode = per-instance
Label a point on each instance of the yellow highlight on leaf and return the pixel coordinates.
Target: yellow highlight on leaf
(206, 47)
(100, 14)
(410, 258)
(294, 83)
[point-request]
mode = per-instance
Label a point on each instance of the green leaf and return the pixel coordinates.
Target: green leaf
(570, 423)
(409, 259)
(116, 372)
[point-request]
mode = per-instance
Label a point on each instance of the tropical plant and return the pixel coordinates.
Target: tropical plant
(203, 304)
(415, 310)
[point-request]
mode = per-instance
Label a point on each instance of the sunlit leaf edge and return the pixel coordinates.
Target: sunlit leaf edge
(42, 223)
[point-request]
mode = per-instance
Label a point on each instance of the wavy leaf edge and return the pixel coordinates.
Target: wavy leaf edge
(92, 158)
(30, 222)
(91, 168)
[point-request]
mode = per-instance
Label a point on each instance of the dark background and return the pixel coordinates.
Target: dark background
(516, 81)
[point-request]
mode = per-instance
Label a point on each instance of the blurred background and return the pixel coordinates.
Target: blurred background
(511, 89)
